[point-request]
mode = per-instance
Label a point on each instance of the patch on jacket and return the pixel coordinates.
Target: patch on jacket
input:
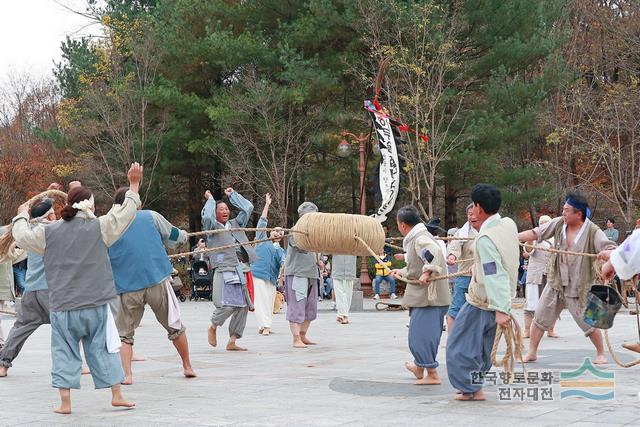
(427, 255)
(489, 268)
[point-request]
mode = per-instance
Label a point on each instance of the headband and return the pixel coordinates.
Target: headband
(85, 206)
(578, 205)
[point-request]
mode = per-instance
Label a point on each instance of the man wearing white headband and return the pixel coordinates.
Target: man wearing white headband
(570, 277)
(34, 310)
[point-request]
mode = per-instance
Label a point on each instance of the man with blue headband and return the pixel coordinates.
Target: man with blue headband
(570, 277)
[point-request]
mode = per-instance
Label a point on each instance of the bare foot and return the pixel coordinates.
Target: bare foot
(429, 380)
(297, 343)
(552, 334)
(211, 336)
(306, 340)
(128, 380)
(601, 359)
(137, 358)
(121, 402)
(468, 397)
(415, 370)
(232, 346)
(3, 371)
(65, 401)
(266, 331)
(530, 358)
(63, 409)
(189, 372)
(85, 370)
(628, 346)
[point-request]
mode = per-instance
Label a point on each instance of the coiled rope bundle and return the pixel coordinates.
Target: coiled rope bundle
(333, 233)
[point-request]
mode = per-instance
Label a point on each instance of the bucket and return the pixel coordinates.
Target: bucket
(603, 304)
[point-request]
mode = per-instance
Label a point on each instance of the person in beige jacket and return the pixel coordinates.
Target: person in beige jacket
(428, 301)
(6, 278)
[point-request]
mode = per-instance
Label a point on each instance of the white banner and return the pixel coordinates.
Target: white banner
(389, 166)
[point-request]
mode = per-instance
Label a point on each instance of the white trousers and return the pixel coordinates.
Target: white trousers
(265, 296)
(1, 332)
(531, 294)
(344, 292)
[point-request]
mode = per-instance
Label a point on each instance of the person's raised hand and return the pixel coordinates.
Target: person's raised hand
(228, 191)
(135, 176)
(267, 198)
(208, 195)
(396, 273)
(74, 184)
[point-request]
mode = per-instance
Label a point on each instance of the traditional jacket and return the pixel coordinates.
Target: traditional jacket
(464, 249)
(228, 259)
(570, 274)
(76, 262)
(139, 259)
(495, 269)
(423, 254)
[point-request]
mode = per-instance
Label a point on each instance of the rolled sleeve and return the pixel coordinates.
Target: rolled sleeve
(171, 235)
(28, 239)
(496, 278)
(119, 218)
(245, 206)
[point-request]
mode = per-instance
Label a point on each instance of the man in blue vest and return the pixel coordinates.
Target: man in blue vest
(141, 270)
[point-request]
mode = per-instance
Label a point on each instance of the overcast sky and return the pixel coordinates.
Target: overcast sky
(31, 32)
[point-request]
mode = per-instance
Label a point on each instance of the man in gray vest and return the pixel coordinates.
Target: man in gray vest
(493, 285)
(231, 266)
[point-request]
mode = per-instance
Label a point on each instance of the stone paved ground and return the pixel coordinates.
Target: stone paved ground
(354, 377)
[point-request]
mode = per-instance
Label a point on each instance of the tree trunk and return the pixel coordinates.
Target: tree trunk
(450, 202)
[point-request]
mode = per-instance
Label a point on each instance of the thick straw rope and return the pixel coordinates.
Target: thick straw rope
(396, 239)
(221, 248)
(332, 233)
(411, 281)
(226, 230)
(610, 347)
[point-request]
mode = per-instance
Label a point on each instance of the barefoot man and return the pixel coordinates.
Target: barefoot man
(428, 302)
(230, 294)
(141, 270)
(493, 285)
(302, 278)
(570, 277)
(80, 281)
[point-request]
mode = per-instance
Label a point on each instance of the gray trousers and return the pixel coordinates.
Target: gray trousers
(469, 347)
(425, 330)
(34, 312)
(238, 319)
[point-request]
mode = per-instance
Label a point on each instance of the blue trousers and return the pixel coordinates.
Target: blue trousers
(88, 325)
(425, 330)
(460, 288)
(469, 347)
(389, 279)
